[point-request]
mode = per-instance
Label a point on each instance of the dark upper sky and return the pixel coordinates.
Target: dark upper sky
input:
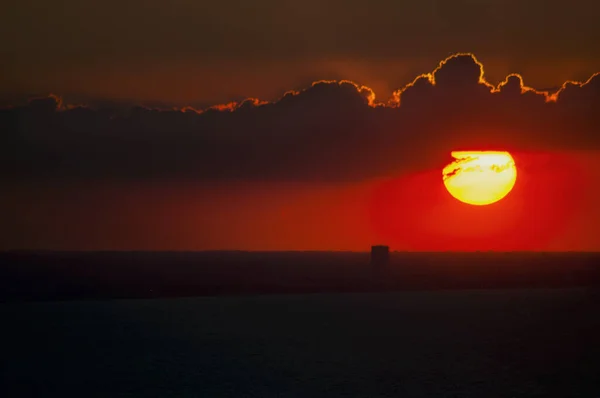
(195, 52)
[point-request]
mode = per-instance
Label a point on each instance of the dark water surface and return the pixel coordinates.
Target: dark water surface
(495, 343)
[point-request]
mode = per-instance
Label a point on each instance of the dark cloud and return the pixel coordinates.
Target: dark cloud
(329, 131)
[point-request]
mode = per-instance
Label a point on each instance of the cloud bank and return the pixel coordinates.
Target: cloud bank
(332, 130)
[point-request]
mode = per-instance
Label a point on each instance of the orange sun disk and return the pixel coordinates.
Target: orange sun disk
(480, 177)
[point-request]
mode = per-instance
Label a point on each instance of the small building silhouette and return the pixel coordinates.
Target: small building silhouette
(380, 256)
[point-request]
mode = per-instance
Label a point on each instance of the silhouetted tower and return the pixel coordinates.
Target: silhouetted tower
(380, 256)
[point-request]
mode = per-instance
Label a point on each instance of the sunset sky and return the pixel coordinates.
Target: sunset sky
(280, 125)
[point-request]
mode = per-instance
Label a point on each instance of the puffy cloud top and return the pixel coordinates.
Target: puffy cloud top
(329, 131)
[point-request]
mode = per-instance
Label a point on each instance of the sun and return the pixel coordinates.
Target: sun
(480, 177)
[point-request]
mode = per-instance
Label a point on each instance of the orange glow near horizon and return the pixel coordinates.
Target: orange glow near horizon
(553, 207)
(551, 201)
(480, 177)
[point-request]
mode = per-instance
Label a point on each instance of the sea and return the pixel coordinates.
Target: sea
(460, 343)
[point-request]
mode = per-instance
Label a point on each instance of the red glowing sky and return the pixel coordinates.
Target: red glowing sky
(553, 207)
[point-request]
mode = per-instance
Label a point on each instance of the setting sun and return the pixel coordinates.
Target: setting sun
(480, 177)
